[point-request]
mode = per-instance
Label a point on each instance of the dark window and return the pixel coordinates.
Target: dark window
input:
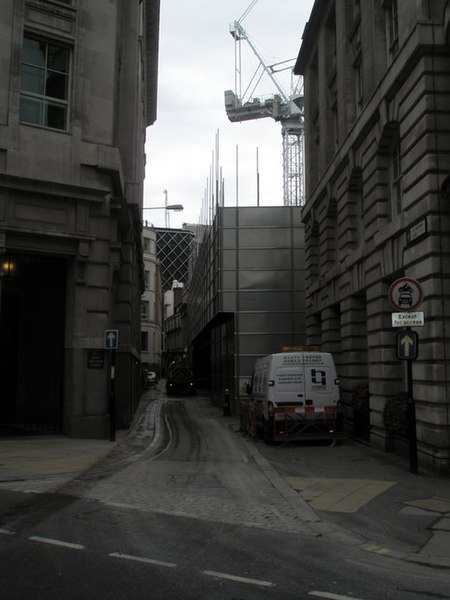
(396, 179)
(44, 83)
(144, 341)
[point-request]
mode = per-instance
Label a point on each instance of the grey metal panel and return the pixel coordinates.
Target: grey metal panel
(265, 216)
(229, 238)
(299, 238)
(229, 217)
(247, 364)
(273, 280)
(299, 281)
(229, 280)
(264, 238)
(265, 259)
(229, 259)
(299, 300)
(229, 302)
(265, 322)
(268, 301)
(263, 344)
(299, 260)
(299, 322)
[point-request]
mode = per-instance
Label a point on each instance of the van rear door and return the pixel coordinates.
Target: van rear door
(321, 386)
(289, 385)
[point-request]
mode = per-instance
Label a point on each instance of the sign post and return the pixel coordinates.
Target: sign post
(406, 295)
(111, 343)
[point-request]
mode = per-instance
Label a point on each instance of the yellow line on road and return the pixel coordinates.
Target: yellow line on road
(278, 514)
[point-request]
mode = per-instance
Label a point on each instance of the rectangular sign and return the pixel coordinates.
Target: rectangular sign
(407, 345)
(412, 319)
(111, 339)
(95, 359)
(416, 231)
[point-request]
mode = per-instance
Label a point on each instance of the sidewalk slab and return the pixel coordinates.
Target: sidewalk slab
(338, 495)
(43, 463)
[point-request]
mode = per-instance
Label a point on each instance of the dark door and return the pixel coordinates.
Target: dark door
(32, 347)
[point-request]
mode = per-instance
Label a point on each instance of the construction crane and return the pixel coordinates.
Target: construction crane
(288, 110)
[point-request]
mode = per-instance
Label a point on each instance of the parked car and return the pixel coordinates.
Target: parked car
(151, 378)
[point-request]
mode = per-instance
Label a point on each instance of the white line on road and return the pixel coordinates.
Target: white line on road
(44, 540)
(150, 561)
(6, 532)
(331, 596)
(239, 579)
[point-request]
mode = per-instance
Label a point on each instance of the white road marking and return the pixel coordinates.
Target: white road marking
(239, 579)
(331, 596)
(6, 532)
(150, 561)
(44, 540)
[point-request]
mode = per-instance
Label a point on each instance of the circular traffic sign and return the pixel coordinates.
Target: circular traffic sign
(405, 294)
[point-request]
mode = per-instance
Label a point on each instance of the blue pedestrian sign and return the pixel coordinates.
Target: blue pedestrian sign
(111, 339)
(407, 345)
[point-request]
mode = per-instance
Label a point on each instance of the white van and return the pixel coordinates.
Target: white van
(294, 395)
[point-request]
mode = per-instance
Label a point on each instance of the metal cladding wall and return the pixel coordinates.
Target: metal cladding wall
(247, 295)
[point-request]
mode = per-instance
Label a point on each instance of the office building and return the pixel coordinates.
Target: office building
(377, 89)
(77, 91)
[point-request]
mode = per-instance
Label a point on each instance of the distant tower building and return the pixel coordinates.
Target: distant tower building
(174, 250)
(151, 313)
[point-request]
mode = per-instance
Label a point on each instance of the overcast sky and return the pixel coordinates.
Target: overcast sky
(196, 66)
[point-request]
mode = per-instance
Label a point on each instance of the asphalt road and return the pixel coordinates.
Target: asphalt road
(189, 512)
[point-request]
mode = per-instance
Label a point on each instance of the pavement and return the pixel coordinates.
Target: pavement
(349, 487)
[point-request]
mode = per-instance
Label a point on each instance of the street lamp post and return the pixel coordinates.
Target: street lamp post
(166, 207)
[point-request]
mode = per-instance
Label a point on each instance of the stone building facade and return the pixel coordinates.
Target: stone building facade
(377, 91)
(151, 307)
(77, 91)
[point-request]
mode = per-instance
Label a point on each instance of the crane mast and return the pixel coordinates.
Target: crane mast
(288, 111)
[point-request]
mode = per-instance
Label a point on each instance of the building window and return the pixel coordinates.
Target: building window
(44, 89)
(357, 64)
(147, 279)
(392, 25)
(396, 180)
(144, 311)
(144, 341)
